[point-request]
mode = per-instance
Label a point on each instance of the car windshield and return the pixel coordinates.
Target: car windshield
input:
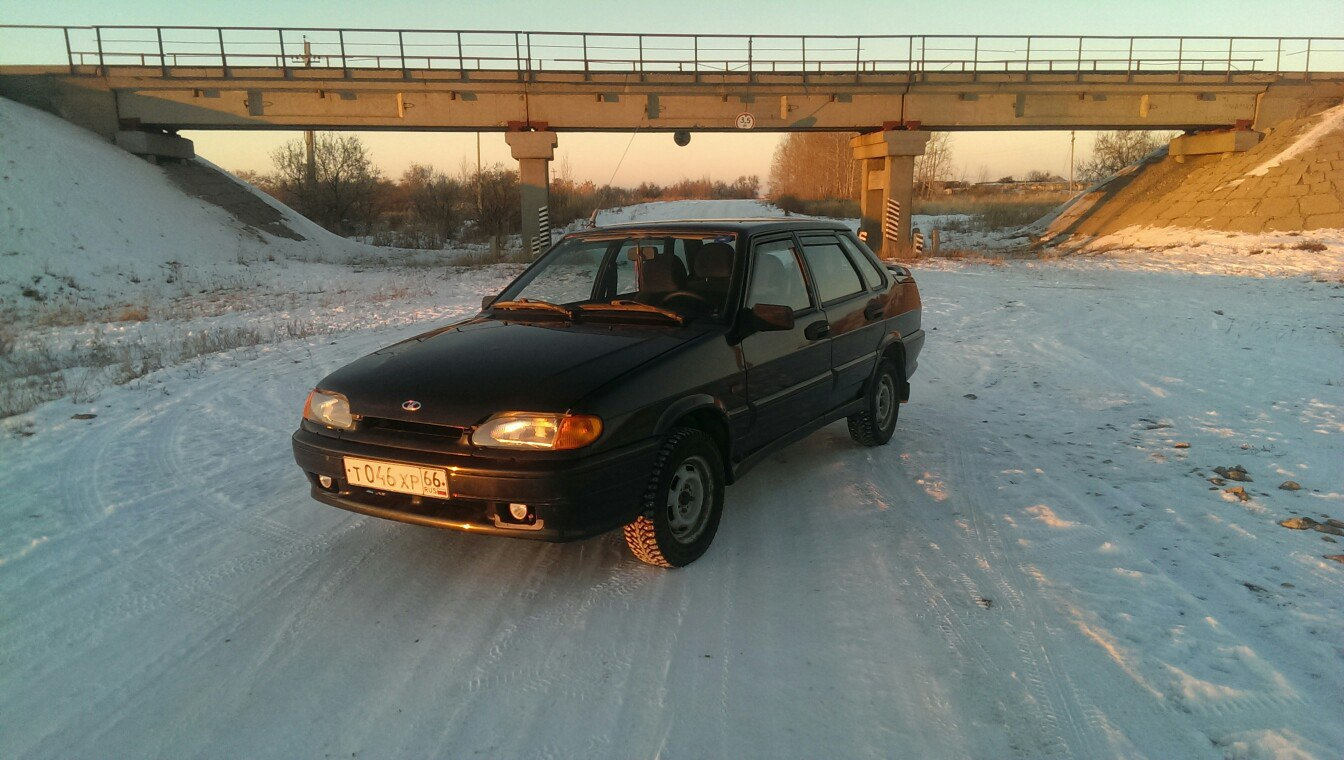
(686, 276)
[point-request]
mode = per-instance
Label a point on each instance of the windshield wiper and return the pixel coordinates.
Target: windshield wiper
(635, 306)
(532, 304)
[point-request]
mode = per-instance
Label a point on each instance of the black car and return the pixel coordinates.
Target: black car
(621, 381)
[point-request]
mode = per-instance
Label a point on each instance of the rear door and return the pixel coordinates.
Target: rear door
(788, 371)
(850, 296)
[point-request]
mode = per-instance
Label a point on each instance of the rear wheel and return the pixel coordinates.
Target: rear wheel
(874, 425)
(683, 503)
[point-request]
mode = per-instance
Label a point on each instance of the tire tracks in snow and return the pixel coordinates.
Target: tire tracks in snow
(975, 557)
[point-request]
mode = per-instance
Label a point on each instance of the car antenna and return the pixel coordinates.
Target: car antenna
(592, 220)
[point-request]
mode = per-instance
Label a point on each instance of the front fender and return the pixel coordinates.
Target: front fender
(693, 403)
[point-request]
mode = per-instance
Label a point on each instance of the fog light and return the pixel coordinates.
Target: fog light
(325, 481)
(518, 511)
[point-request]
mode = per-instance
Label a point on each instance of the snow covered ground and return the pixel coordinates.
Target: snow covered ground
(1033, 572)
(1037, 565)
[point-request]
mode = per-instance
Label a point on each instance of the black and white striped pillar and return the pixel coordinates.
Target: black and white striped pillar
(891, 224)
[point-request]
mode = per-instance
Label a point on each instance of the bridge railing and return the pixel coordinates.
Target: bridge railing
(224, 51)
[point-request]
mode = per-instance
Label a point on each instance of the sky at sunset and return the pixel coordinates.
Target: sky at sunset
(653, 156)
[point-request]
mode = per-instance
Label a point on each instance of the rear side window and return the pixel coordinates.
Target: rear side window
(777, 277)
(831, 269)
(871, 274)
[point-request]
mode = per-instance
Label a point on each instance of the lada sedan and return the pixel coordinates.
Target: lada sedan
(623, 380)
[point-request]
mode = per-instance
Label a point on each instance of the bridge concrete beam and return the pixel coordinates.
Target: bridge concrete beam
(489, 100)
(155, 145)
(1208, 143)
(533, 151)
(886, 190)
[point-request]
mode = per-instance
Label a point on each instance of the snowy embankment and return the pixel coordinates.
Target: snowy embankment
(108, 270)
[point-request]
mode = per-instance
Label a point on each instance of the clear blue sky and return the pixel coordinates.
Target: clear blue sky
(653, 156)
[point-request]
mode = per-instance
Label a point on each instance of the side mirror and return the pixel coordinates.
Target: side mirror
(770, 316)
(487, 300)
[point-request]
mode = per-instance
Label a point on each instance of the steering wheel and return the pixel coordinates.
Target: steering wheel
(686, 294)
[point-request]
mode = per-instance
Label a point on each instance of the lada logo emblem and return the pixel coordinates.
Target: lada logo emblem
(411, 406)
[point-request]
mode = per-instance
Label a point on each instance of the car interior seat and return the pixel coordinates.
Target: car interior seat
(776, 285)
(711, 269)
(658, 273)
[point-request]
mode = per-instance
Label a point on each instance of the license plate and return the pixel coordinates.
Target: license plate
(401, 478)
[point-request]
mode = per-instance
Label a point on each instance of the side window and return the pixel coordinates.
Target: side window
(830, 267)
(777, 278)
(871, 274)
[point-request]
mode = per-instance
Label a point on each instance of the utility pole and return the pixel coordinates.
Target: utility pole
(1073, 136)
(480, 193)
(309, 137)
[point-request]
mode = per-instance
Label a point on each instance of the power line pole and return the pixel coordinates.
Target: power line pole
(309, 137)
(1073, 136)
(480, 193)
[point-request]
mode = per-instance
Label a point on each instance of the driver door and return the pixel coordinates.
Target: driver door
(788, 371)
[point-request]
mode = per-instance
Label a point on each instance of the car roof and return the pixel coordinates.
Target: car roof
(749, 226)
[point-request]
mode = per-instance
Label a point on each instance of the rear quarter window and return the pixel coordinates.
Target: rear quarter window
(831, 269)
(872, 273)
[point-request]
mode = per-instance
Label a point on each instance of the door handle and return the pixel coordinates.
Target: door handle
(873, 310)
(817, 330)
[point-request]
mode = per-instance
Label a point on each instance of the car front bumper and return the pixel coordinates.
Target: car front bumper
(568, 499)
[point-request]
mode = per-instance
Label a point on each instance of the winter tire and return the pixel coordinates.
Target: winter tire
(874, 425)
(683, 503)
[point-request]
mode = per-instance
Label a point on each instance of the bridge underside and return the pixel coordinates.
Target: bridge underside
(895, 111)
(438, 100)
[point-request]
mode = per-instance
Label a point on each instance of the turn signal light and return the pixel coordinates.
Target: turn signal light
(577, 431)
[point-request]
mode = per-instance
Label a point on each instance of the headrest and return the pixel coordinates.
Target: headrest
(714, 261)
(661, 274)
(642, 253)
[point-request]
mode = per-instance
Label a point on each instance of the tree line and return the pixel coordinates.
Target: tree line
(342, 190)
(809, 168)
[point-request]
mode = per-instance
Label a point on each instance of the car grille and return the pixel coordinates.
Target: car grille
(382, 424)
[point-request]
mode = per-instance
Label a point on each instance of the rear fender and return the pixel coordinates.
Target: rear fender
(893, 348)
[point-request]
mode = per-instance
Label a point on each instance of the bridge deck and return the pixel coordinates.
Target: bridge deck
(263, 78)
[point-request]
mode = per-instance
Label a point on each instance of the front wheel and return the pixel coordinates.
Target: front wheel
(874, 425)
(683, 503)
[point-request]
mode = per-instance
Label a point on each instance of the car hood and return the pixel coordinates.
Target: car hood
(463, 373)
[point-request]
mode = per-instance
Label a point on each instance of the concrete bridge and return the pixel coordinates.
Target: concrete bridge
(139, 85)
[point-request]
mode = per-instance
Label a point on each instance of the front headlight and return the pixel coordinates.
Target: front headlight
(526, 430)
(330, 409)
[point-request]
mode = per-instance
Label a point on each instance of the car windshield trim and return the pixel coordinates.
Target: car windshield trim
(626, 305)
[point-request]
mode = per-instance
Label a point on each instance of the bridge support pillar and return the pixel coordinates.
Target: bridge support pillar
(886, 187)
(533, 151)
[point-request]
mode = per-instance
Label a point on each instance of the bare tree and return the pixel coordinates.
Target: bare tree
(1114, 151)
(501, 209)
(434, 202)
(935, 165)
(813, 165)
(1041, 175)
(343, 195)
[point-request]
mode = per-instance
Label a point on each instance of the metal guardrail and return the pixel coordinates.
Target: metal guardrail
(532, 55)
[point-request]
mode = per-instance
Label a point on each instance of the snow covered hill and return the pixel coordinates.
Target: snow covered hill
(86, 221)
